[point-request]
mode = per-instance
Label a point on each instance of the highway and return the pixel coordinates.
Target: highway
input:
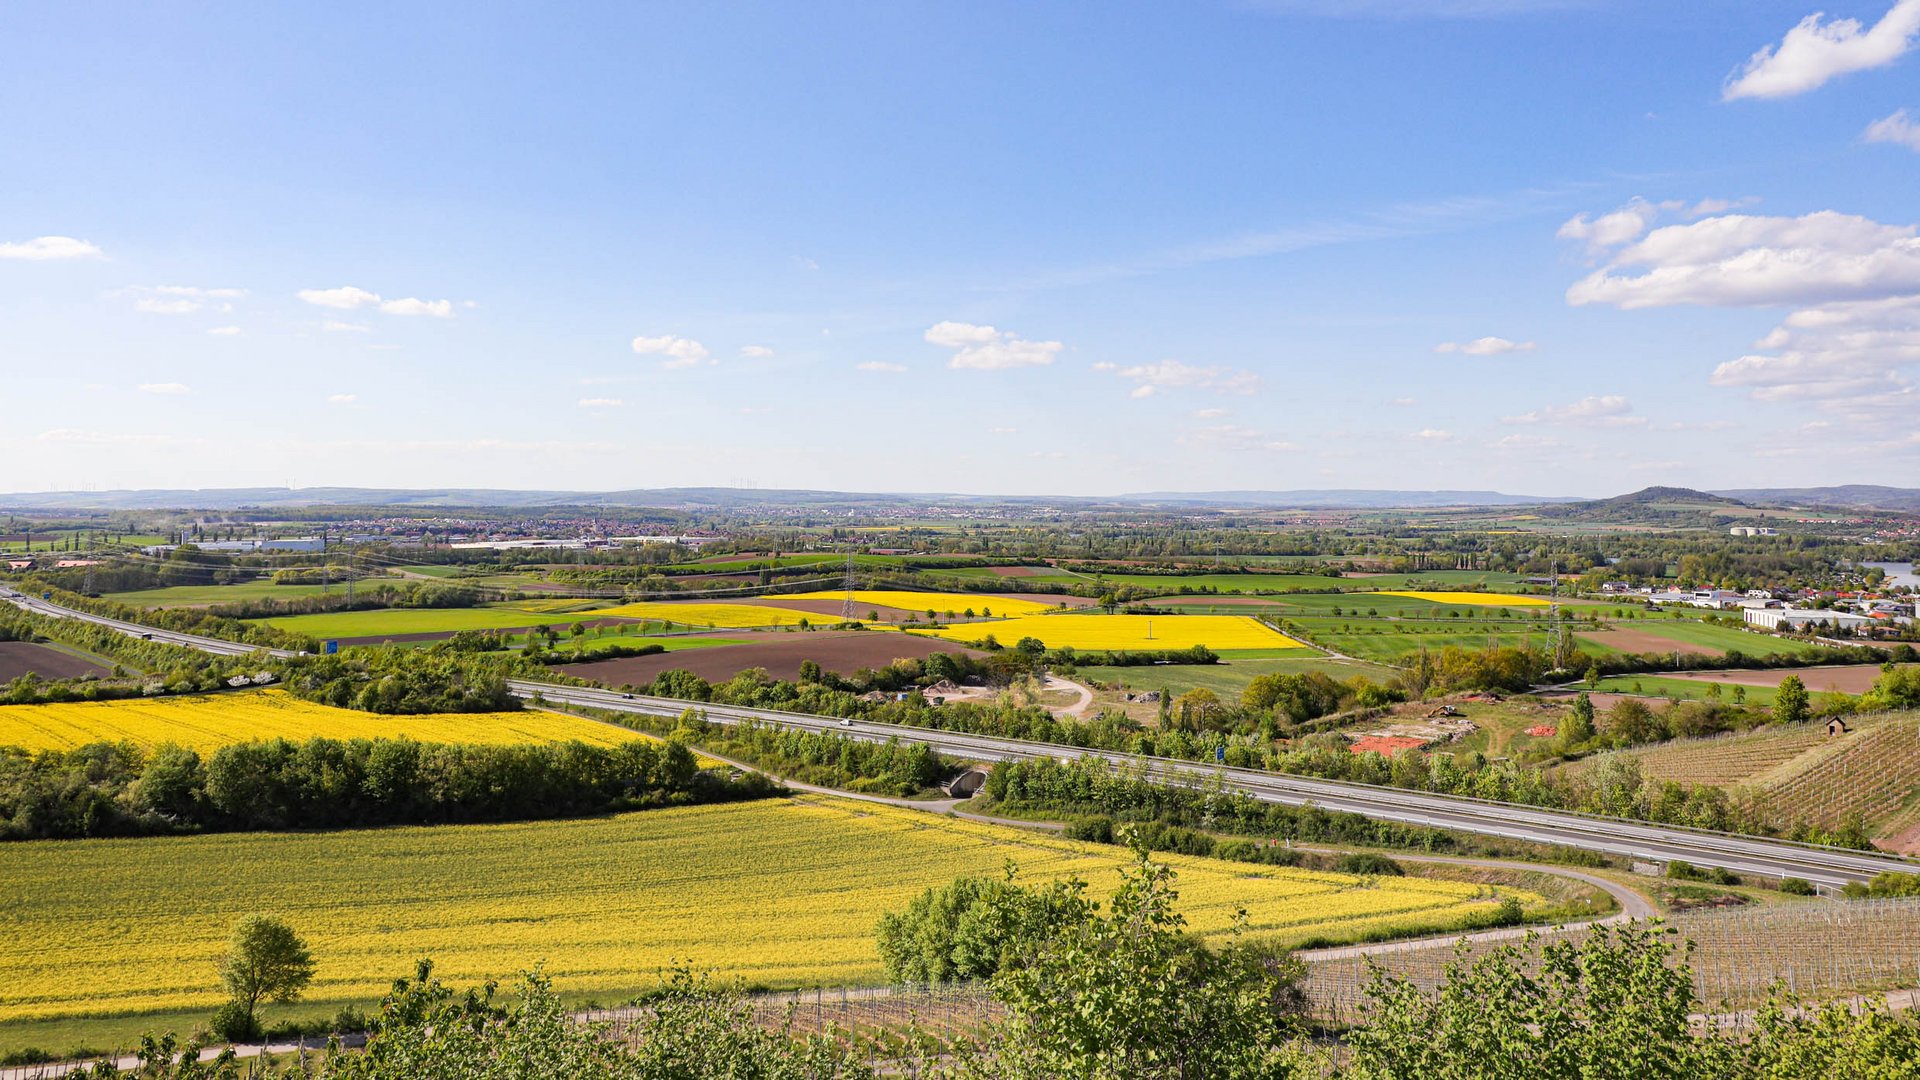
(1829, 868)
(167, 637)
(1640, 841)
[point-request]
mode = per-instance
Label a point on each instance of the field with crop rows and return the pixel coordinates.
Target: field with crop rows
(386, 622)
(208, 595)
(778, 892)
(1873, 772)
(1219, 632)
(740, 616)
(929, 601)
(208, 722)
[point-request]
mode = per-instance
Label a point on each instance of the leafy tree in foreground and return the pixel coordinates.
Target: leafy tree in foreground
(1790, 701)
(265, 960)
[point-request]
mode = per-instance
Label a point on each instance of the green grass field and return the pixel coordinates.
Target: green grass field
(208, 595)
(1382, 641)
(1229, 677)
(1723, 638)
(1684, 689)
(388, 621)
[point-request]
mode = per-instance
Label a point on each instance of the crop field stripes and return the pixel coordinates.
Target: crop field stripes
(1871, 773)
(1823, 948)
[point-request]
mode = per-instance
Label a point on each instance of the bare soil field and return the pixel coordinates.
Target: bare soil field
(18, 658)
(1845, 678)
(841, 651)
(1639, 641)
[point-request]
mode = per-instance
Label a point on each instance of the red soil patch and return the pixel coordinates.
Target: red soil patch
(1639, 641)
(1846, 678)
(841, 651)
(1387, 745)
(1543, 731)
(17, 658)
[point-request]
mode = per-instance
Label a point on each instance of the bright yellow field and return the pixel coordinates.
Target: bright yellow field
(731, 616)
(923, 601)
(1479, 599)
(208, 722)
(780, 892)
(1127, 632)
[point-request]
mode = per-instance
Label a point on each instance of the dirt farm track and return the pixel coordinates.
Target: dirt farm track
(17, 658)
(841, 651)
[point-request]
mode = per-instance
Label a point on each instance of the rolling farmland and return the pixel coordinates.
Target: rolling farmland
(1219, 632)
(208, 722)
(777, 892)
(386, 622)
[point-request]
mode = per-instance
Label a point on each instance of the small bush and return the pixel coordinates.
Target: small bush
(1094, 827)
(231, 1023)
(1368, 863)
(1794, 886)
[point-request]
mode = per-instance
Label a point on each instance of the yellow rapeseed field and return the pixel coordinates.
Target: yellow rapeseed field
(1479, 599)
(778, 892)
(208, 722)
(731, 616)
(1127, 632)
(930, 601)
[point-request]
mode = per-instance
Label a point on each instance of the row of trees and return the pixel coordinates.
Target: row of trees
(110, 789)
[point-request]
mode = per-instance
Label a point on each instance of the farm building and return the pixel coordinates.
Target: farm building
(1798, 618)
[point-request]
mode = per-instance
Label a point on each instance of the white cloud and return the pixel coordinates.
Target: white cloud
(1003, 431)
(225, 331)
(880, 365)
(1486, 346)
(1596, 410)
(1899, 129)
(679, 352)
(1610, 230)
(166, 388)
(349, 298)
(42, 248)
(1210, 414)
(601, 403)
(1432, 435)
(756, 351)
(439, 309)
(344, 298)
(1175, 374)
(983, 348)
(1816, 51)
(1854, 283)
(1404, 402)
(342, 399)
(1752, 260)
(335, 326)
(179, 299)
(1523, 442)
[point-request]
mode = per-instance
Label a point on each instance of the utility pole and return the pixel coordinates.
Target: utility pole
(846, 605)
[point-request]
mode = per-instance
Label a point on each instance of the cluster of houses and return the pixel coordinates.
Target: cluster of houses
(1848, 613)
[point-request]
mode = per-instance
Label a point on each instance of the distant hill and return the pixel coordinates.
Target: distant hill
(1340, 499)
(720, 498)
(1672, 507)
(1848, 496)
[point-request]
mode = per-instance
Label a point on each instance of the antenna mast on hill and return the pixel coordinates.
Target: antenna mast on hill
(846, 606)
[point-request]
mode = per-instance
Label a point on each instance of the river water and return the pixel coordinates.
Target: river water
(1898, 573)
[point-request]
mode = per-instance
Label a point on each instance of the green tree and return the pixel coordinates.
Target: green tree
(1579, 726)
(1790, 705)
(267, 961)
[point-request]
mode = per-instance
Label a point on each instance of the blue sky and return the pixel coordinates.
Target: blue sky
(1545, 246)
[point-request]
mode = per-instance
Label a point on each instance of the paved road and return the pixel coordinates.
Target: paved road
(1827, 867)
(169, 637)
